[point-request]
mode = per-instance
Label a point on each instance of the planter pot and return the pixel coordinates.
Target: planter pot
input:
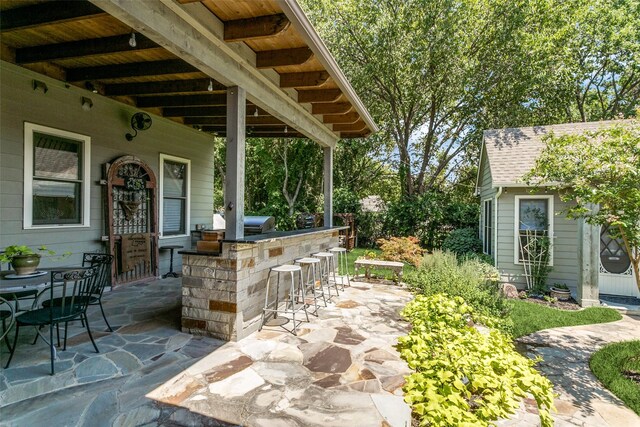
(561, 294)
(25, 264)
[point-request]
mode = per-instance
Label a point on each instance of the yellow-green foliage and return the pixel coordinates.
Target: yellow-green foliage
(464, 377)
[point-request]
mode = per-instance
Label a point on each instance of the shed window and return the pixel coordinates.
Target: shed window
(534, 225)
(487, 227)
(56, 178)
(174, 187)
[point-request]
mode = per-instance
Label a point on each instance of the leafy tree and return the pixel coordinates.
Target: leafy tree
(598, 169)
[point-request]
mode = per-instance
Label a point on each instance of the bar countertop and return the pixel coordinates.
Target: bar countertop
(283, 234)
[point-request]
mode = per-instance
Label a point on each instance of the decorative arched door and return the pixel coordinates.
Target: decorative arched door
(132, 219)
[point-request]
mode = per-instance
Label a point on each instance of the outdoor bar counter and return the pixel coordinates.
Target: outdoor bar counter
(223, 293)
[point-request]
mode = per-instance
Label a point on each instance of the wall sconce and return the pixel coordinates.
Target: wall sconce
(90, 86)
(87, 103)
(38, 85)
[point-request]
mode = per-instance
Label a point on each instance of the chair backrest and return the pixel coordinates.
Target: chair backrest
(6, 312)
(103, 263)
(78, 286)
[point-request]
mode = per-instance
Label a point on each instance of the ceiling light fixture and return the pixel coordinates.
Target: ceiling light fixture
(286, 129)
(90, 86)
(255, 113)
(132, 40)
(210, 87)
(87, 103)
(38, 85)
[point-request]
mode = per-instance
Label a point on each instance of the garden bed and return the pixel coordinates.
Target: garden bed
(570, 305)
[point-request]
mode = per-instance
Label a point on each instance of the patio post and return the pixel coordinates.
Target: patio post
(588, 264)
(328, 186)
(234, 183)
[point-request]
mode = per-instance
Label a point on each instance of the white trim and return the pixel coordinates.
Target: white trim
(495, 226)
(484, 222)
(516, 225)
(85, 140)
(480, 164)
(187, 220)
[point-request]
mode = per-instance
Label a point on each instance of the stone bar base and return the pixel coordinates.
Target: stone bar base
(223, 296)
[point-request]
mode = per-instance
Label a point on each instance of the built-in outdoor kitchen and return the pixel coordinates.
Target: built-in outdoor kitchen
(224, 280)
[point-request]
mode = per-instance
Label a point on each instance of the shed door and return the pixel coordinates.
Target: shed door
(132, 220)
(616, 273)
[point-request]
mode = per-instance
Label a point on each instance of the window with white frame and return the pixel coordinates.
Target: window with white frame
(175, 178)
(534, 226)
(56, 177)
(487, 227)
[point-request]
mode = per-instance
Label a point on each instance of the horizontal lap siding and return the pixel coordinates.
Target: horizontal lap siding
(565, 257)
(106, 124)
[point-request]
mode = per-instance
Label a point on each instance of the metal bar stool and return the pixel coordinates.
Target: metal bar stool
(311, 281)
(341, 254)
(327, 267)
(294, 302)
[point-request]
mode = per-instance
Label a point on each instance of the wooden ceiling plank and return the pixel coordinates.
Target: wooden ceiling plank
(316, 95)
(255, 28)
(283, 57)
(331, 108)
(195, 111)
(172, 86)
(181, 100)
(47, 13)
(76, 49)
(309, 79)
(351, 127)
(250, 120)
(349, 135)
(341, 118)
(133, 69)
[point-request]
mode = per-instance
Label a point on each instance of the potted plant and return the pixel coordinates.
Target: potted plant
(560, 291)
(23, 259)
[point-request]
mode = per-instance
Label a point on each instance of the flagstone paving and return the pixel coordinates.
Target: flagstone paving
(582, 400)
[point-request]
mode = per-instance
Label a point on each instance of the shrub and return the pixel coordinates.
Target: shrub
(472, 279)
(464, 377)
(462, 241)
(404, 249)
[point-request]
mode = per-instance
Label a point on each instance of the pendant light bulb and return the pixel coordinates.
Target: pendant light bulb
(286, 129)
(210, 87)
(132, 40)
(255, 113)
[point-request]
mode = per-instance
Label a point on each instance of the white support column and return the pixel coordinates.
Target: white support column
(588, 264)
(328, 186)
(234, 183)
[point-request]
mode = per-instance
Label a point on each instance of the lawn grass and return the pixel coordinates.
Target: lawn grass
(611, 362)
(529, 317)
(360, 252)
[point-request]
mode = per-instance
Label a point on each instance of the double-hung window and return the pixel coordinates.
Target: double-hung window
(533, 226)
(56, 178)
(175, 181)
(487, 226)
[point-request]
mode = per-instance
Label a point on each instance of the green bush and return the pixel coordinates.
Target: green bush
(462, 241)
(472, 279)
(464, 377)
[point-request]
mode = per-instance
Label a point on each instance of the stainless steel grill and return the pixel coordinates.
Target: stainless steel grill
(259, 225)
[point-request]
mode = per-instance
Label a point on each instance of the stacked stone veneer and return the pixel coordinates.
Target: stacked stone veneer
(223, 296)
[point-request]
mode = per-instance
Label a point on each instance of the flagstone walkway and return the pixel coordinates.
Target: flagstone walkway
(583, 401)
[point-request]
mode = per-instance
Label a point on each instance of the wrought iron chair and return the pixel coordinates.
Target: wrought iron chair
(78, 286)
(10, 315)
(103, 263)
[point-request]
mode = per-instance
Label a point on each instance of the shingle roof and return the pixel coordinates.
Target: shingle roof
(512, 152)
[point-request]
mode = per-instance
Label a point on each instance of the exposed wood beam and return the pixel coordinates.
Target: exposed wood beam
(341, 118)
(349, 135)
(331, 108)
(352, 127)
(308, 79)
(181, 100)
(173, 86)
(251, 120)
(319, 95)
(75, 49)
(194, 111)
(47, 13)
(283, 57)
(255, 28)
(133, 69)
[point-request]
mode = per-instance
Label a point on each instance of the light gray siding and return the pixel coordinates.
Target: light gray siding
(106, 123)
(565, 242)
(486, 191)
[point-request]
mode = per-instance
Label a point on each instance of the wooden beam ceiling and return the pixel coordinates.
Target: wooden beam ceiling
(132, 69)
(182, 100)
(331, 108)
(283, 57)
(172, 86)
(255, 28)
(47, 13)
(319, 95)
(250, 120)
(195, 111)
(350, 135)
(341, 118)
(76, 49)
(308, 79)
(350, 127)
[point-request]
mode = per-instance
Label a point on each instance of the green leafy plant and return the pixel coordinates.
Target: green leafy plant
(464, 377)
(561, 286)
(404, 249)
(462, 241)
(16, 250)
(551, 300)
